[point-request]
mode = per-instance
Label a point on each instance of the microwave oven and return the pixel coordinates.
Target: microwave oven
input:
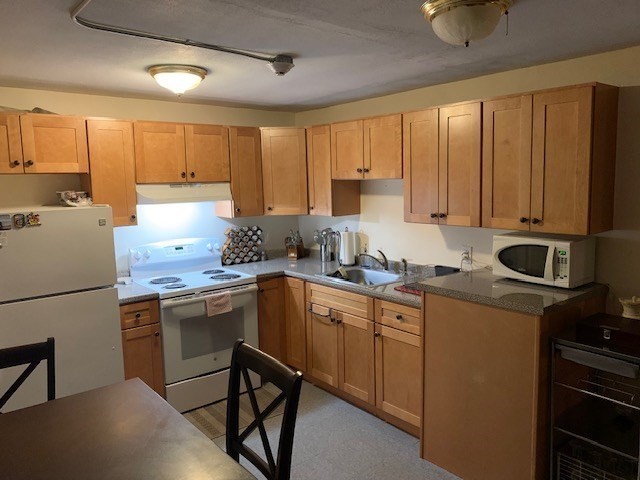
(565, 261)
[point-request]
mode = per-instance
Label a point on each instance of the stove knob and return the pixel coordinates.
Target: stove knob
(136, 254)
(146, 254)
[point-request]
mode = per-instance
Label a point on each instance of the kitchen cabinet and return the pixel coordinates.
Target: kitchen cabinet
(177, 153)
(367, 149)
(486, 376)
(340, 349)
(295, 323)
(246, 175)
(326, 196)
(442, 165)
(142, 344)
(112, 178)
(39, 143)
(271, 325)
(549, 160)
(284, 171)
(10, 144)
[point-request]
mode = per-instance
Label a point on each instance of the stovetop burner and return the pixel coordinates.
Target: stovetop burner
(225, 276)
(211, 272)
(163, 280)
(173, 286)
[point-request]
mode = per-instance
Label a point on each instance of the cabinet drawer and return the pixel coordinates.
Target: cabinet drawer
(139, 314)
(398, 316)
(346, 302)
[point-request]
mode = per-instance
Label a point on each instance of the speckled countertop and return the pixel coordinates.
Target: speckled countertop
(134, 293)
(481, 286)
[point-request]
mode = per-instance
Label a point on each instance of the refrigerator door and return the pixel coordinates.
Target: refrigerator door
(71, 250)
(88, 349)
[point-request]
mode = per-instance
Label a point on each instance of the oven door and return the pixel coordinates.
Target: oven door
(195, 344)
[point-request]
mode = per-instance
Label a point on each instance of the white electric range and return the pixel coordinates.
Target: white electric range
(196, 348)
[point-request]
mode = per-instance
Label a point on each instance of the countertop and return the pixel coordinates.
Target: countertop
(481, 286)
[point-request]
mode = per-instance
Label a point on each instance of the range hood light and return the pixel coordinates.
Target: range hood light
(183, 192)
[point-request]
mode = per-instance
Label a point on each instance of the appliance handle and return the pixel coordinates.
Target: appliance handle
(199, 297)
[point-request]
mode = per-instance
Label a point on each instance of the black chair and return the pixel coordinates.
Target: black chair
(31, 354)
(245, 358)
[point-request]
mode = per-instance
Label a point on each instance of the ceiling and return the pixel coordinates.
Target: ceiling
(343, 50)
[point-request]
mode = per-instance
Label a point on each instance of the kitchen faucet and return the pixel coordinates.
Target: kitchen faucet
(384, 262)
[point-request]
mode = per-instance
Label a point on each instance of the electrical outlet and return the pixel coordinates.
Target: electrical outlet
(467, 254)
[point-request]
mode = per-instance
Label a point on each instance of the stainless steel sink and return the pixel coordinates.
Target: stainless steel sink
(365, 277)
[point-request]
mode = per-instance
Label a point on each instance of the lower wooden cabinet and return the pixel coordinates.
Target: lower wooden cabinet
(271, 317)
(356, 357)
(142, 344)
(322, 344)
(295, 323)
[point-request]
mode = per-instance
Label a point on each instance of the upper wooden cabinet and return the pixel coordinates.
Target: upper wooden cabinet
(10, 144)
(284, 171)
(549, 160)
(246, 174)
(112, 179)
(326, 196)
(43, 144)
(175, 153)
(442, 162)
(367, 149)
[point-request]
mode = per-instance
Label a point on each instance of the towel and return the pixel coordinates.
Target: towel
(218, 303)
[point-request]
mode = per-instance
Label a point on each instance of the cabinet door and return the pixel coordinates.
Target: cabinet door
(459, 165)
(506, 163)
(347, 150)
(561, 156)
(160, 152)
(356, 356)
(271, 317)
(284, 171)
(142, 350)
(10, 144)
(322, 344)
(113, 168)
(327, 197)
(246, 171)
(398, 374)
(420, 133)
(207, 153)
(383, 147)
(54, 144)
(295, 320)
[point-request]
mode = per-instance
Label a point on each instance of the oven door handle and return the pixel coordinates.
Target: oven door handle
(198, 298)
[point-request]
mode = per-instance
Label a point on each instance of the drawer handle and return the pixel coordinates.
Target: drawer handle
(398, 317)
(329, 316)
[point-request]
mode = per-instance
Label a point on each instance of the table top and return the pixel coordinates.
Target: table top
(122, 431)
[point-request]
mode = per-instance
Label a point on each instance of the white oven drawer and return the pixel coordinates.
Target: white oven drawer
(195, 344)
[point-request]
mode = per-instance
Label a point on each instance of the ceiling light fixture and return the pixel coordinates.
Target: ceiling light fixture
(177, 78)
(459, 22)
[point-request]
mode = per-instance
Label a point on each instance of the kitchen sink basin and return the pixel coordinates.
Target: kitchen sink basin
(364, 277)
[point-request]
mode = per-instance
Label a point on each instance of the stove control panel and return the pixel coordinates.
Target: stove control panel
(178, 250)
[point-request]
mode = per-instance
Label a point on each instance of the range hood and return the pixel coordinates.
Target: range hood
(183, 192)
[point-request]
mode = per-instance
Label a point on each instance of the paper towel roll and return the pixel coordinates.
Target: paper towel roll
(347, 248)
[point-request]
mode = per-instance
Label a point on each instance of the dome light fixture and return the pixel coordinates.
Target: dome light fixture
(178, 78)
(459, 22)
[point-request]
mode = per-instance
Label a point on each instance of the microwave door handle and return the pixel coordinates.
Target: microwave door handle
(174, 302)
(553, 253)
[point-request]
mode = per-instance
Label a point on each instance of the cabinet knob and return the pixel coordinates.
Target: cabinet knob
(311, 207)
(269, 208)
(192, 174)
(28, 163)
(237, 209)
(376, 334)
(359, 170)
(434, 215)
(133, 218)
(138, 315)
(15, 163)
(366, 170)
(524, 219)
(398, 317)
(261, 290)
(442, 215)
(183, 174)
(338, 321)
(535, 221)
(156, 334)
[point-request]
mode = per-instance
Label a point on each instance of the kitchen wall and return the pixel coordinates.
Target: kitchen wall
(381, 222)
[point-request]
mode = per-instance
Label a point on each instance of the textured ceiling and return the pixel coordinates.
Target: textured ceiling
(343, 50)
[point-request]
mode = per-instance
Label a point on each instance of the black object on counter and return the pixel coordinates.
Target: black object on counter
(442, 270)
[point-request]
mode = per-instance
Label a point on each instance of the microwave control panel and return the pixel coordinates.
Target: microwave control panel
(562, 263)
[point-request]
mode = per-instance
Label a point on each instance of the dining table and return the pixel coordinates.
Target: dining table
(118, 432)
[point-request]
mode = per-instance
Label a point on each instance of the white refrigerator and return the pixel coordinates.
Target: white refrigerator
(57, 271)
